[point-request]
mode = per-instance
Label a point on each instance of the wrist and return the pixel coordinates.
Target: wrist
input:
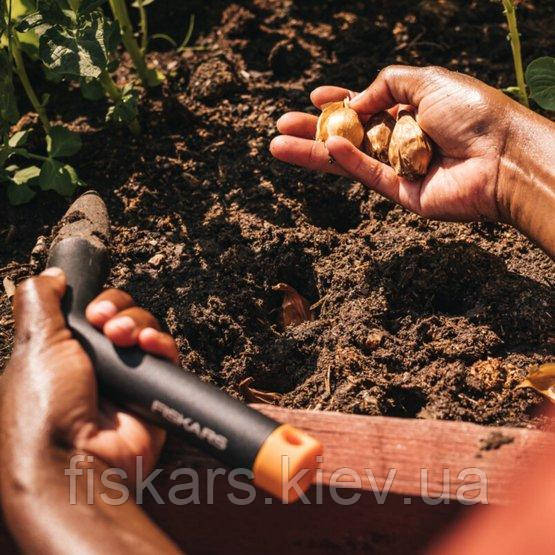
(526, 179)
(31, 476)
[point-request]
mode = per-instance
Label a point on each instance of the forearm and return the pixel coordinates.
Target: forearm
(44, 518)
(526, 190)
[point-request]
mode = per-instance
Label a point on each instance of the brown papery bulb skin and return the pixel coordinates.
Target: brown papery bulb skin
(337, 119)
(377, 135)
(410, 149)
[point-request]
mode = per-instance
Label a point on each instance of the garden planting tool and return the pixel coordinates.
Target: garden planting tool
(162, 392)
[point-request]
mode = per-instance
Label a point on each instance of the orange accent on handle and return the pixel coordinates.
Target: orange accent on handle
(286, 454)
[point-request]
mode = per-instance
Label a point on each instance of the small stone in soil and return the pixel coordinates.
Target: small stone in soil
(156, 260)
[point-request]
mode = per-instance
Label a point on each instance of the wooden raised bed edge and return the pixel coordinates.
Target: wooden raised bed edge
(402, 522)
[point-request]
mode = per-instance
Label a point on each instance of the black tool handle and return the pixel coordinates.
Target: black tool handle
(154, 388)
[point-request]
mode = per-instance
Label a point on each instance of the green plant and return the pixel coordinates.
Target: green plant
(150, 77)
(80, 43)
(141, 5)
(509, 10)
(52, 173)
(75, 41)
(540, 73)
(540, 76)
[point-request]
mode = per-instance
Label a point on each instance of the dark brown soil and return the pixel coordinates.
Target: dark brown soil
(415, 319)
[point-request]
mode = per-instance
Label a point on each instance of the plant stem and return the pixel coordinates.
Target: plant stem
(15, 48)
(114, 92)
(32, 156)
(111, 89)
(119, 9)
(144, 27)
(510, 14)
(188, 34)
(74, 5)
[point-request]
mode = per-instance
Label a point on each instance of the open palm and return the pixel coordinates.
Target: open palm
(465, 118)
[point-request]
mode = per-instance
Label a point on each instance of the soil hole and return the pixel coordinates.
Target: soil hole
(338, 209)
(406, 403)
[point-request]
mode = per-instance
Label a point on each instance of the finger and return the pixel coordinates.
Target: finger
(158, 343)
(303, 152)
(123, 437)
(298, 124)
(107, 305)
(374, 174)
(396, 85)
(124, 328)
(328, 93)
(37, 306)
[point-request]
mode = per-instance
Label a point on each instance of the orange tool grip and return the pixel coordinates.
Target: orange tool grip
(287, 458)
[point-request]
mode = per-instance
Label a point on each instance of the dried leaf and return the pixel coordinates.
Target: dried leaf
(542, 380)
(9, 287)
(295, 309)
(257, 396)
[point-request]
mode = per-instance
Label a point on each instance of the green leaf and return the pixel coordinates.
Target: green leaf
(112, 36)
(81, 52)
(57, 177)
(30, 22)
(154, 77)
(540, 77)
(62, 142)
(88, 6)
(19, 139)
(31, 48)
(74, 177)
(145, 3)
(48, 13)
(91, 89)
(52, 76)
(19, 194)
(5, 153)
(112, 66)
(4, 176)
(26, 175)
(124, 111)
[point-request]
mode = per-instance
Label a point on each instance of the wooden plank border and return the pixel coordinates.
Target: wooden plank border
(421, 457)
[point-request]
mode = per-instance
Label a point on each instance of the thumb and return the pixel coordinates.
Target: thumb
(396, 85)
(37, 312)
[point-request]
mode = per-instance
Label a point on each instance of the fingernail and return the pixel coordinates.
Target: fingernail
(52, 272)
(105, 309)
(124, 324)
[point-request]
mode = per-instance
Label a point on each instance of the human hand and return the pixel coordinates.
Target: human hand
(469, 122)
(49, 392)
